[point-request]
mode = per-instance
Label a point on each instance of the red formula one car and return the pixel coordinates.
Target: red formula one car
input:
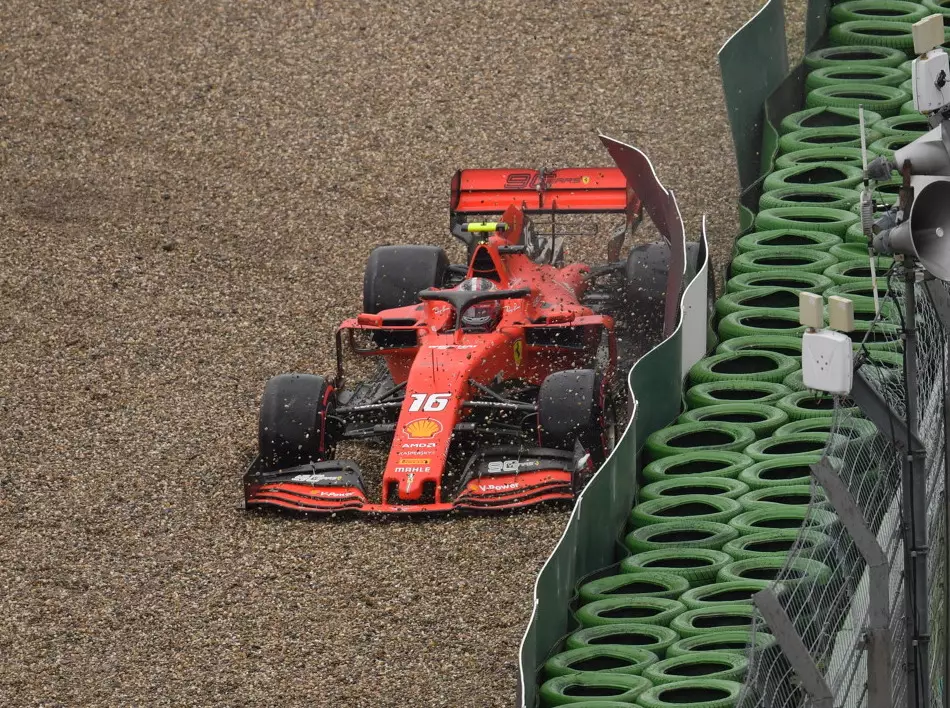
(496, 381)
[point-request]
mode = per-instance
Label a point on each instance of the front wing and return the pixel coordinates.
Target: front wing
(493, 479)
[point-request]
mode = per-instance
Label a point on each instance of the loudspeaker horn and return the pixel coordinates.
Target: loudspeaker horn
(928, 154)
(925, 233)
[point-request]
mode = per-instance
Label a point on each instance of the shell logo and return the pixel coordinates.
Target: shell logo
(423, 428)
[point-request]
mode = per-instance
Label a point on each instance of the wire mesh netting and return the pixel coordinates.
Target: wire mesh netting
(827, 589)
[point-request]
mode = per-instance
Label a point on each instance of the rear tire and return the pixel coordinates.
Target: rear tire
(574, 405)
(394, 275)
(292, 428)
(648, 266)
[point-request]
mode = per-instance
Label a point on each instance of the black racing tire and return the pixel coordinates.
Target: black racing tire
(629, 608)
(782, 517)
(885, 100)
(778, 497)
(807, 195)
(812, 404)
(710, 621)
(833, 221)
(788, 446)
(710, 665)
(696, 693)
(652, 637)
(573, 406)
(842, 137)
(915, 125)
(743, 365)
(888, 10)
(697, 436)
(292, 426)
(760, 418)
(574, 688)
(744, 300)
(805, 542)
(715, 594)
(697, 566)
(844, 156)
(761, 322)
(830, 174)
(736, 641)
(845, 75)
(679, 534)
(886, 146)
(896, 35)
(646, 273)
(394, 275)
(707, 486)
(615, 659)
(859, 55)
(689, 507)
(718, 392)
(651, 584)
(849, 428)
(791, 261)
(791, 571)
(780, 344)
(779, 473)
(794, 238)
(696, 465)
(799, 280)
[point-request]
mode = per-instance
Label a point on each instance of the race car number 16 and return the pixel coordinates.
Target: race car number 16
(429, 402)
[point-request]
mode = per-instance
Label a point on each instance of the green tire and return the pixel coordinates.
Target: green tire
(582, 687)
(938, 7)
(761, 419)
(888, 145)
(652, 637)
(711, 621)
(715, 594)
(803, 570)
(779, 473)
(629, 608)
(785, 260)
(718, 392)
(726, 666)
(833, 221)
(908, 109)
(780, 344)
(696, 466)
(654, 584)
(793, 238)
(782, 517)
(849, 251)
(896, 35)
(848, 428)
(855, 55)
(761, 322)
(689, 507)
(830, 174)
(876, 336)
(795, 381)
(762, 366)
(679, 534)
(808, 404)
(915, 125)
(616, 659)
(807, 195)
(885, 100)
(698, 566)
(707, 486)
(845, 75)
(845, 137)
(805, 542)
(736, 641)
(858, 292)
(844, 156)
(794, 495)
(697, 693)
(788, 446)
(675, 439)
(847, 272)
(799, 280)
(889, 10)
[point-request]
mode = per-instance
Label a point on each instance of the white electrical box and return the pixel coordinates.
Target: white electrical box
(827, 361)
(930, 79)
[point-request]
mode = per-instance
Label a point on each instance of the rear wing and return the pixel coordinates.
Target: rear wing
(574, 190)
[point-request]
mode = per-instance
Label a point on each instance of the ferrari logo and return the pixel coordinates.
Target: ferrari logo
(585, 179)
(518, 351)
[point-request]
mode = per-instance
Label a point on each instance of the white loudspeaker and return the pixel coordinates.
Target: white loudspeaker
(928, 154)
(925, 232)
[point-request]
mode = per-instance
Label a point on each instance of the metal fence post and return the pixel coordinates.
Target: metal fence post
(878, 635)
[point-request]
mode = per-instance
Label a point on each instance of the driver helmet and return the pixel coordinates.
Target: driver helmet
(481, 315)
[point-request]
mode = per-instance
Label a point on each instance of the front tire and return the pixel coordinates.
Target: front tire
(292, 428)
(574, 406)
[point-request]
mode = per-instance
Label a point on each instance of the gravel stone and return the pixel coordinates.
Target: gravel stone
(188, 192)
